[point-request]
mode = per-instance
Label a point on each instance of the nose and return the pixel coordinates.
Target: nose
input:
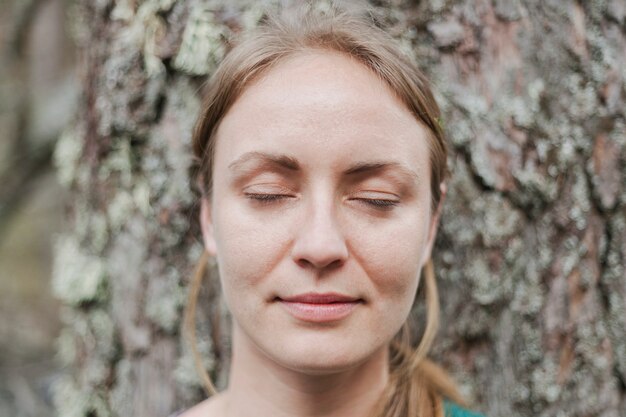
(320, 243)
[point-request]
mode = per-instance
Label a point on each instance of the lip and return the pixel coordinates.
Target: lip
(320, 298)
(319, 307)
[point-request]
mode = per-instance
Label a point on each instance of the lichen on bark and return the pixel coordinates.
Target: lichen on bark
(532, 244)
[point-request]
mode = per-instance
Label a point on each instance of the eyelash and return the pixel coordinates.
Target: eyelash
(266, 198)
(377, 203)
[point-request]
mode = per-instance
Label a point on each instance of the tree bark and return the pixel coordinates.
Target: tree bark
(531, 249)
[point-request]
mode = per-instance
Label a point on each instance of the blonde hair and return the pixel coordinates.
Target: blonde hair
(416, 386)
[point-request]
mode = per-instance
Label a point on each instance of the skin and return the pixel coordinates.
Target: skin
(321, 184)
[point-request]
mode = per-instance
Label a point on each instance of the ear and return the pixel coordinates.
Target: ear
(206, 223)
(434, 223)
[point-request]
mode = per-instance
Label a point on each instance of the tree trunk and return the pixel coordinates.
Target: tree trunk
(532, 243)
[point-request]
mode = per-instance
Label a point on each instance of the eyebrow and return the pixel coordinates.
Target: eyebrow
(373, 167)
(289, 163)
(278, 160)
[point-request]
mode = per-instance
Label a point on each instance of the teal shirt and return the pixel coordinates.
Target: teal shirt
(453, 410)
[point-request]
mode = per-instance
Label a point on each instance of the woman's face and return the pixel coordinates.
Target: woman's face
(321, 187)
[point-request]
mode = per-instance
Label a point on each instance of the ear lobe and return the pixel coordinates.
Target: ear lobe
(434, 224)
(206, 224)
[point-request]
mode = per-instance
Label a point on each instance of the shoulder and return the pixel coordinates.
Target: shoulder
(211, 407)
(453, 410)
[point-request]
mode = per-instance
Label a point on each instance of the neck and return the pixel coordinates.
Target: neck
(261, 387)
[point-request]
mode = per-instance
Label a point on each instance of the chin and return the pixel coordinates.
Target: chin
(317, 368)
(321, 357)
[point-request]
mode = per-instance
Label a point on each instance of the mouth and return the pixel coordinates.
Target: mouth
(318, 307)
(320, 298)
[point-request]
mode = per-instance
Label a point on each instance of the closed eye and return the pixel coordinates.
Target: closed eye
(379, 203)
(267, 198)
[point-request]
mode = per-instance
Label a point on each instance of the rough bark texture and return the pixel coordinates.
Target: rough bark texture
(532, 244)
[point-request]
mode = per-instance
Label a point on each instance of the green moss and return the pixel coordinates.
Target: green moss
(69, 400)
(119, 161)
(614, 290)
(499, 219)
(90, 227)
(91, 333)
(98, 232)
(596, 9)
(486, 286)
(195, 252)
(95, 371)
(184, 104)
(473, 324)
(437, 6)
(123, 391)
(164, 300)
(544, 381)
(67, 153)
(123, 10)
(188, 380)
(462, 134)
(155, 172)
(528, 296)
(583, 97)
(77, 276)
(616, 321)
(579, 211)
(509, 9)
(453, 222)
(252, 11)
(146, 27)
(531, 352)
(469, 101)
(72, 400)
(102, 328)
(141, 197)
(120, 209)
(535, 189)
(202, 47)
(251, 15)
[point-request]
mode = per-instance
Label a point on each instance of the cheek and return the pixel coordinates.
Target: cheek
(395, 276)
(248, 249)
(390, 255)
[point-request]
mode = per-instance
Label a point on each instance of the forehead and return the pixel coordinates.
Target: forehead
(321, 105)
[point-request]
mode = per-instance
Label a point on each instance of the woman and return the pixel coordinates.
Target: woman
(322, 165)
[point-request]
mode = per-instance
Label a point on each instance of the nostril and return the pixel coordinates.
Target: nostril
(319, 243)
(320, 264)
